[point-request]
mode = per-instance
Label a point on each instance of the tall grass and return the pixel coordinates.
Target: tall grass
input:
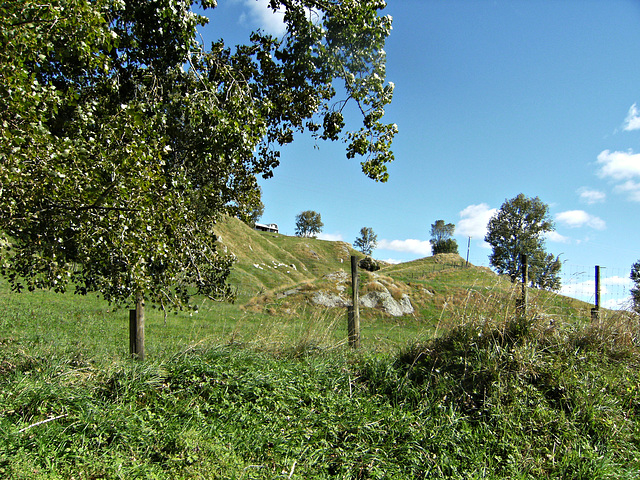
(490, 395)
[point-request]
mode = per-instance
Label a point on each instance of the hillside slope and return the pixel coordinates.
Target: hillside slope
(286, 274)
(268, 261)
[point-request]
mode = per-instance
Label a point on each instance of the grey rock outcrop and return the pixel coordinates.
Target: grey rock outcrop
(386, 302)
(330, 300)
(380, 298)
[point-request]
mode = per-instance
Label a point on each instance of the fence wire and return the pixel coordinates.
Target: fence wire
(579, 281)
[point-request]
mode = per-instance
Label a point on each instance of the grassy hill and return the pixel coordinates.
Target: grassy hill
(267, 388)
(268, 261)
(269, 264)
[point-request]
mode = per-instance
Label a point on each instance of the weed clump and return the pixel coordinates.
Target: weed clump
(544, 400)
(488, 395)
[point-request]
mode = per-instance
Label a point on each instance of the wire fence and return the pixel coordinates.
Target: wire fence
(427, 270)
(579, 281)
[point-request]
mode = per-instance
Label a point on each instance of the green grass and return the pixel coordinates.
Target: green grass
(267, 261)
(231, 394)
(460, 390)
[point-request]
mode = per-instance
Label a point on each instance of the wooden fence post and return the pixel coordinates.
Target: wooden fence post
(521, 303)
(353, 312)
(136, 330)
(468, 249)
(595, 312)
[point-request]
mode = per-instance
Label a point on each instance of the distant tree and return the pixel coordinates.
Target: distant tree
(518, 228)
(441, 241)
(635, 290)
(255, 214)
(544, 271)
(253, 208)
(367, 241)
(308, 224)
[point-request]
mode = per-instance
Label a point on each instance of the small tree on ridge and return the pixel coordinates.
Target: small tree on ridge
(308, 224)
(635, 290)
(518, 228)
(367, 241)
(441, 241)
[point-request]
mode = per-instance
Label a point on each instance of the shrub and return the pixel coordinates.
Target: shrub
(369, 264)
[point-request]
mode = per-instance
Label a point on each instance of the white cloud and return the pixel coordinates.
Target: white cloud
(582, 290)
(609, 287)
(474, 219)
(260, 15)
(619, 165)
(410, 245)
(332, 237)
(617, 280)
(393, 261)
(590, 196)
(632, 122)
(631, 188)
(580, 218)
(556, 237)
(617, 303)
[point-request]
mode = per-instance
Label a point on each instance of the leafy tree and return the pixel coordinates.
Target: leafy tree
(518, 228)
(635, 290)
(254, 209)
(116, 161)
(441, 241)
(544, 271)
(308, 224)
(367, 241)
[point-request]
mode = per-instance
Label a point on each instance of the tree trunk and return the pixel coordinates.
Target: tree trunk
(136, 330)
(353, 315)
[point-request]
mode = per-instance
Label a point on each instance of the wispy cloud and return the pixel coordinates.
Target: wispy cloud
(619, 165)
(474, 219)
(556, 237)
(609, 286)
(393, 261)
(631, 189)
(632, 122)
(333, 237)
(257, 14)
(580, 218)
(590, 196)
(410, 245)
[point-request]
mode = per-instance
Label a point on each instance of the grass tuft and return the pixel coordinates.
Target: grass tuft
(467, 391)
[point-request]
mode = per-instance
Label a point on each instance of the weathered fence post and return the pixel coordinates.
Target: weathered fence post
(595, 312)
(353, 312)
(468, 248)
(521, 303)
(136, 330)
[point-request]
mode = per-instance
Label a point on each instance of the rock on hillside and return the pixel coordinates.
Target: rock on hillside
(377, 293)
(333, 291)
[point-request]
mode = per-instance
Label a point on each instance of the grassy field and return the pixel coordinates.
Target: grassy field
(461, 390)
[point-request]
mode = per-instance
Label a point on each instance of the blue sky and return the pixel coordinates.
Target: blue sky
(492, 99)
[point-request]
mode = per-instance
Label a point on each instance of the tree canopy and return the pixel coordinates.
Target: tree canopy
(308, 224)
(518, 228)
(635, 290)
(124, 140)
(367, 241)
(545, 271)
(441, 241)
